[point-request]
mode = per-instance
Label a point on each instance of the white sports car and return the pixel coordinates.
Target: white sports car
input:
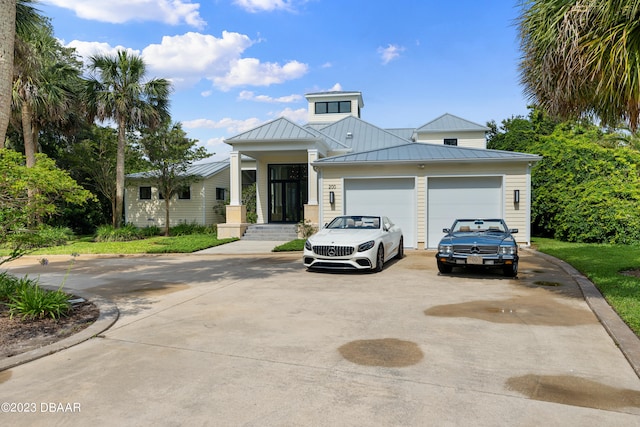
(353, 242)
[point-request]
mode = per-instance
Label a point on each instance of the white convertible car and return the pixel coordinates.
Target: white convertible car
(353, 242)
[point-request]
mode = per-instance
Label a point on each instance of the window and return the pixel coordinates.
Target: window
(145, 193)
(184, 193)
(160, 195)
(333, 107)
(451, 141)
(220, 193)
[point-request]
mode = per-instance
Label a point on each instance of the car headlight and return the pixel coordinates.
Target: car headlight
(366, 246)
(508, 250)
(445, 249)
(307, 245)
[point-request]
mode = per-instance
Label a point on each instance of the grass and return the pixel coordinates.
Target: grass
(294, 245)
(603, 264)
(153, 245)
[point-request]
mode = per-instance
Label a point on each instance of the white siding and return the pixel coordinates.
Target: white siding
(198, 209)
(465, 139)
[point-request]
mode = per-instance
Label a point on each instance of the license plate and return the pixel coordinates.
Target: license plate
(475, 260)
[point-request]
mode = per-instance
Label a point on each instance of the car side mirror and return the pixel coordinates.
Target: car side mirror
(446, 230)
(325, 225)
(513, 230)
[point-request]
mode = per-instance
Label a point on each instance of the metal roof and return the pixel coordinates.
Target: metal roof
(425, 153)
(359, 135)
(448, 122)
(278, 129)
(203, 170)
(406, 133)
(284, 129)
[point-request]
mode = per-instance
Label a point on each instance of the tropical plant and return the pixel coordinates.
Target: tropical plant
(52, 185)
(582, 58)
(118, 91)
(16, 18)
(46, 85)
(30, 301)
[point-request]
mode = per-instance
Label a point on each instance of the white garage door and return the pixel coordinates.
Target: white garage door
(461, 197)
(392, 197)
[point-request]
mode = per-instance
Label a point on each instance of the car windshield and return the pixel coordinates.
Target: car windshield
(479, 225)
(355, 222)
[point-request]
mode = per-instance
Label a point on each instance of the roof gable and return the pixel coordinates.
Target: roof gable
(278, 129)
(360, 135)
(448, 123)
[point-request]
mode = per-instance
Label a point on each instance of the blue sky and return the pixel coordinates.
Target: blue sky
(236, 64)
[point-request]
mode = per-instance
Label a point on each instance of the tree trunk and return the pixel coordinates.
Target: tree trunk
(120, 173)
(7, 39)
(27, 134)
(166, 216)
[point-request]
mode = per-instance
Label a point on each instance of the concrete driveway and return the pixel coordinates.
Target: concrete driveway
(255, 340)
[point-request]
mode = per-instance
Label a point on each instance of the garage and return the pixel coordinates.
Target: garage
(461, 197)
(392, 197)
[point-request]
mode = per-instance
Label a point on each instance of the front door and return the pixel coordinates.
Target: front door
(287, 192)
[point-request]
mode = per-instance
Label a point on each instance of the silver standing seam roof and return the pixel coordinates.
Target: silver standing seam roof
(417, 152)
(284, 129)
(448, 122)
(203, 170)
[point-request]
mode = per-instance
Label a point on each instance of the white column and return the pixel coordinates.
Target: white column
(312, 177)
(235, 190)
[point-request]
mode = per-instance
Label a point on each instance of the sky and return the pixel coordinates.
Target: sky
(236, 64)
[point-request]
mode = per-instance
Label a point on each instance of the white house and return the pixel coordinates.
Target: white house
(145, 206)
(338, 164)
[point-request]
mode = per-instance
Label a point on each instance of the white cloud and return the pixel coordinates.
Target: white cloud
(250, 71)
(264, 5)
(247, 95)
(336, 88)
(86, 50)
(300, 115)
(172, 12)
(194, 56)
(186, 59)
(232, 126)
(390, 53)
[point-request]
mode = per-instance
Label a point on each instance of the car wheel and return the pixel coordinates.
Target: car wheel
(380, 259)
(400, 253)
(511, 270)
(444, 268)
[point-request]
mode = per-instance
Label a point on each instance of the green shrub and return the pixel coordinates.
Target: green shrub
(150, 231)
(185, 229)
(8, 286)
(54, 236)
(30, 301)
(126, 233)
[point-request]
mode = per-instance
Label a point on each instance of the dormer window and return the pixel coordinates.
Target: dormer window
(451, 141)
(334, 107)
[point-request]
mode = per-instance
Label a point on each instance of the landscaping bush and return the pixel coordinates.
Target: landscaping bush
(54, 236)
(8, 286)
(30, 301)
(184, 229)
(126, 233)
(150, 231)
(583, 192)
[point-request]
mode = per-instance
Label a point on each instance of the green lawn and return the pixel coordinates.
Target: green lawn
(602, 264)
(154, 245)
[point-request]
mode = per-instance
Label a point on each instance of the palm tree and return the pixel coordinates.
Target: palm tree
(16, 18)
(46, 84)
(118, 92)
(582, 58)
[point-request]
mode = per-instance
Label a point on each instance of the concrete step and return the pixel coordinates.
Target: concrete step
(276, 232)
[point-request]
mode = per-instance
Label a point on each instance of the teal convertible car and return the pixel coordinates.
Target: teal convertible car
(478, 242)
